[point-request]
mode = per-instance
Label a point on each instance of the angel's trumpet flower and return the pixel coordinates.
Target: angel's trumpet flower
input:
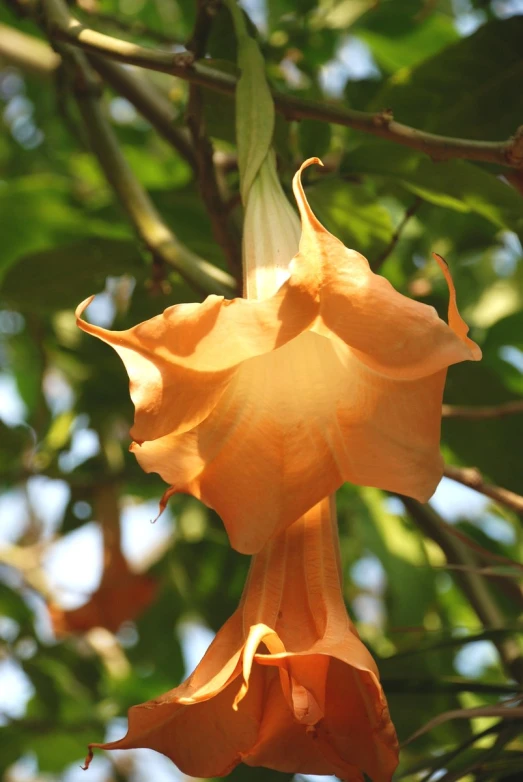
(286, 684)
(262, 407)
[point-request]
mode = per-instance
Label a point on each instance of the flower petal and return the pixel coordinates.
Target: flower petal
(286, 745)
(369, 741)
(180, 362)
(108, 607)
(291, 427)
(394, 335)
(176, 730)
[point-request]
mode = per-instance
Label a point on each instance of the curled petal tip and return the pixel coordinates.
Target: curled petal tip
(310, 162)
(79, 311)
(456, 322)
(306, 213)
(87, 761)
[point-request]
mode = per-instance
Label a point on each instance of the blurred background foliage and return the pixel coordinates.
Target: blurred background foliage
(99, 608)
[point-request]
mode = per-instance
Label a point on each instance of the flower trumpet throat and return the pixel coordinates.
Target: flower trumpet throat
(262, 407)
(286, 684)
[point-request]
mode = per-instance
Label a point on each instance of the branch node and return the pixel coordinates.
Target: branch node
(514, 149)
(383, 118)
(183, 59)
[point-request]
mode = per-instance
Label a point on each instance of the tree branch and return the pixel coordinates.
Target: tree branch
(65, 27)
(471, 477)
(149, 101)
(36, 56)
(127, 27)
(27, 52)
(471, 583)
(148, 223)
(481, 413)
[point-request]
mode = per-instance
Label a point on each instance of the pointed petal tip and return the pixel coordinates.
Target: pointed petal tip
(456, 322)
(79, 311)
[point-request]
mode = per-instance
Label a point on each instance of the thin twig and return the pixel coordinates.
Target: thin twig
(507, 713)
(444, 760)
(471, 477)
(472, 585)
(482, 766)
(482, 413)
(66, 28)
(485, 570)
(410, 212)
(206, 173)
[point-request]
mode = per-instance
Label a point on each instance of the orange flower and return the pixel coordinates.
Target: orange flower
(286, 684)
(262, 407)
(122, 594)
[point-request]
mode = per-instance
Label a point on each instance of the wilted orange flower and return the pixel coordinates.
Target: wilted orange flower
(263, 407)
(122, 594)
(286, 684)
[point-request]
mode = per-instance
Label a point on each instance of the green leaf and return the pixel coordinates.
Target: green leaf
(400, 35)
(486, 444)
(57, 749)
(14, 606)
(222, 43)
(314, 137)
(352, 214)
(27, 365)
(340, 15)
(12, 742)
(60, 278)
(184, 211)
(14, 442)
(35, 215)
(254, 114)
(454, 184)
(467, 90)
(399, 547)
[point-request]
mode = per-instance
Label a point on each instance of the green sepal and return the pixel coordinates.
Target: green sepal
(254, 105)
